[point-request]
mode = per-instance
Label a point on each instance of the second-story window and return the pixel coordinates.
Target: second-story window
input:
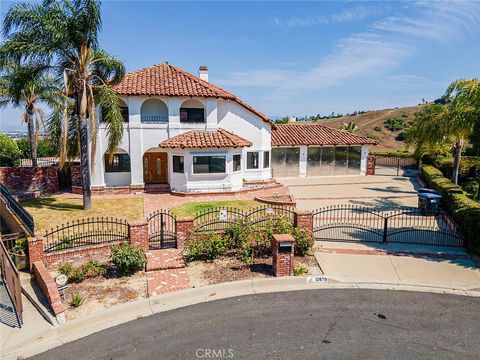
(192, 115)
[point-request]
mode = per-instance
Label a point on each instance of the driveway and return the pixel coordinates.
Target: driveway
(312, 324)
(382, 192)
(398, 263)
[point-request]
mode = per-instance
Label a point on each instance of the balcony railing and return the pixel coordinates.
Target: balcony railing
(155, 119)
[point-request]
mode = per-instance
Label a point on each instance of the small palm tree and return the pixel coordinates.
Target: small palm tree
(350, 126)
(25, 86)
(64, 34)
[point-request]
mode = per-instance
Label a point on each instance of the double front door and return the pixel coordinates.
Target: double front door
(155, 168)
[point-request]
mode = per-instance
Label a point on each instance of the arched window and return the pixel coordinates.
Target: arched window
(154, 111)
(118, 162)
(192, 111)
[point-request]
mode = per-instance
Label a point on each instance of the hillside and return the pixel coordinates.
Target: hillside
(370, 120)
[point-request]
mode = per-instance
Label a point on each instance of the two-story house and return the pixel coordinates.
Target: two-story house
(185, 133)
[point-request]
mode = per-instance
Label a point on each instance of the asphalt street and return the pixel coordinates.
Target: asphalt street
(312, 324)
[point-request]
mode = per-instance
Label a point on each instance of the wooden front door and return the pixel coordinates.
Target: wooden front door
(155, 168)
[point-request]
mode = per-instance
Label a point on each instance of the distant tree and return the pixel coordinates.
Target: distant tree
(350, 126)
(9, 152)
(394, 124)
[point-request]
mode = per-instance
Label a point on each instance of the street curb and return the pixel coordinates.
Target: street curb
(104, 319)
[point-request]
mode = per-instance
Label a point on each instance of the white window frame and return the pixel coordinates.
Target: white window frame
(246, 161)
(207, 154)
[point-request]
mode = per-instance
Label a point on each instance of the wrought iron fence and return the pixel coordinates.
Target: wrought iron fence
(395, 165)
(218, 219)
(85, 232)
(41, 161)
(362, 224)
(162, 230)
(22, 214)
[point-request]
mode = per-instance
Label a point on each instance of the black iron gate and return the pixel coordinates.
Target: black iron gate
(395, 165)
(351, 223)
(162, 230)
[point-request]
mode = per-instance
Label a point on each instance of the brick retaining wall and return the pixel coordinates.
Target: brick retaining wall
(49, 289)
(42, 179)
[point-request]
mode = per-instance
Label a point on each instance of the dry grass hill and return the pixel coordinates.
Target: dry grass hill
(371, 124)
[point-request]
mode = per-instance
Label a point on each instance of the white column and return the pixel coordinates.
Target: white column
(174, 126)
(363, 162)
(303, 161)
(135, 136)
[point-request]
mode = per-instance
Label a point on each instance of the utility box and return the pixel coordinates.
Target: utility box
(283, 248)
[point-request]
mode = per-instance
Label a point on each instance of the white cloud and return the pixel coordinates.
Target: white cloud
(355, 14)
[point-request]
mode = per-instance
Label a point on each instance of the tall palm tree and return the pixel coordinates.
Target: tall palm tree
(25, 86)
(65, 35)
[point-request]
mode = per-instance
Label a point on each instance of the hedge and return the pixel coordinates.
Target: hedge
(401, 154)
(463, 209)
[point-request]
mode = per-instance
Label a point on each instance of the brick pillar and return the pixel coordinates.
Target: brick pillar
(184, 228)
(139, 233)
(283, 254)
(35, 251)
(304, 220)
(371, 161)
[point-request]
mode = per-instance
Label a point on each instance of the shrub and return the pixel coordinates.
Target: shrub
(77, 299)
(128, 259)
(445, 187)
(394, 124)
(372, 136)
(9, 152)
(377, 128)
(76, 276)
(45, 148)
(299, 270)
(205, 246)
(93, 268)
(402, 154)
(236, 234)
(472, 187)
(20, 246)
(65, 269)
(468, 167)
(304, 240)
(401, 136)
(430, 172)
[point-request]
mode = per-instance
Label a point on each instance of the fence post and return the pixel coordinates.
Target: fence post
(304, 220)
(371, 162)
(35, 251)
(138, 231)
(184, 228)
(385, 229)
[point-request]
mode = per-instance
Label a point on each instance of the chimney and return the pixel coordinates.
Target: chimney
(203, 73)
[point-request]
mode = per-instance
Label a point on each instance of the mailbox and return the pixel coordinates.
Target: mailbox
(284, 247)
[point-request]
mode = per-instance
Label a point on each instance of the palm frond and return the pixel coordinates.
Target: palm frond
(111, 115)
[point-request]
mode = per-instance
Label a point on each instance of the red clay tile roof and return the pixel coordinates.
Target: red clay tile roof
(169, 80)
(315, 134)
(205, 139)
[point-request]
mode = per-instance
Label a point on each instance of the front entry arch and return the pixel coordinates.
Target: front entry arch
(155, 168)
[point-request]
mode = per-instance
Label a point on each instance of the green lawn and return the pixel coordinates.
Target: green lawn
(190, 209)
(48, 212)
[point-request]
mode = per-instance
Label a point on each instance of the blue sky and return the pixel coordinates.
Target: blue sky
(297, 58)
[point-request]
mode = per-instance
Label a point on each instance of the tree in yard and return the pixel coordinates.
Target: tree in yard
(64, 34)
(25, 86)
(350, 126)
(9, 151)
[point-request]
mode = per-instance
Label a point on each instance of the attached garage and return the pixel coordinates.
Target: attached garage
(317, 150)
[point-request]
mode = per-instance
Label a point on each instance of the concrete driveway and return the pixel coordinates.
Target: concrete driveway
(382, 192)
(398, 263)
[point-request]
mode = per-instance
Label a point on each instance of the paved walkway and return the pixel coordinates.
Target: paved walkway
(435, 265)
(166, 272)
(381, 192)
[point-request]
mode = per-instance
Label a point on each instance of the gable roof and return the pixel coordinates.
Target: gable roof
(315, 134)
(220, 138)
(168, 80)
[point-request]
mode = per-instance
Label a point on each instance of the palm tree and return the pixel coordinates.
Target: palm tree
(438, 125)
(350, 126)
(25, 86)
(64, 35)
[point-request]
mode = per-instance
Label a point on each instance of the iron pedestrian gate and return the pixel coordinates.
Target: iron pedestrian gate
(162, 230)
(351, 223)
(395, 165)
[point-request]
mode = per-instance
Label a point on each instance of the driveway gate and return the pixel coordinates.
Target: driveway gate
(162, 230)
(351, 223)
(396, 165)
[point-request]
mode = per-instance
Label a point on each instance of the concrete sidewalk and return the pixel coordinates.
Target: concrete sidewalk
(397, 263)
